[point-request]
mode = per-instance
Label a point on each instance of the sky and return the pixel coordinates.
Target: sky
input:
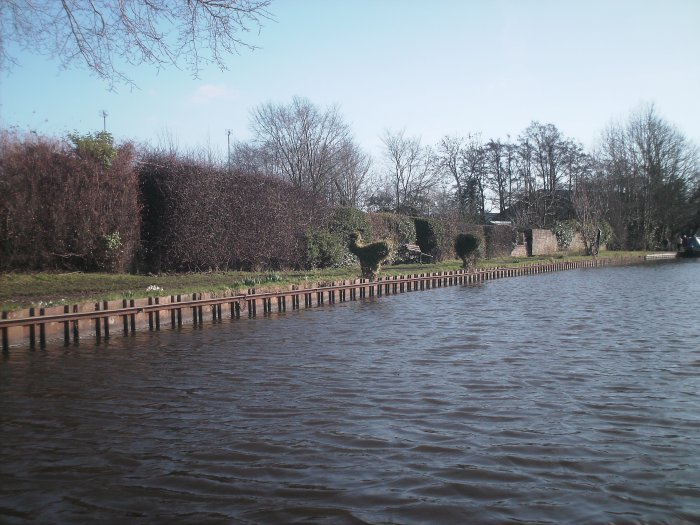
(430, 68)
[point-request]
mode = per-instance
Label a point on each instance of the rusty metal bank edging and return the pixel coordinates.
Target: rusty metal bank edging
(103, 319)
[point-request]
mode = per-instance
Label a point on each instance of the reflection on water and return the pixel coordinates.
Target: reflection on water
(562, 398)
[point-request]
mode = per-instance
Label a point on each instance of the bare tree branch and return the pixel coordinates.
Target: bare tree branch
(107, 35)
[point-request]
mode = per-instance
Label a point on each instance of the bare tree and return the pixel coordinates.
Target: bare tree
(464, 162)
(548, 152)
(499, 168)
(352, 176)
(448, 160)
(311, 147)
(246, 157)
(545, 160)
(653, 169)
(475, 175)
(590, 202)
(409, 169)
(105, 35)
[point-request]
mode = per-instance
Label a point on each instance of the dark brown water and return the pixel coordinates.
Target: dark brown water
(571, 397)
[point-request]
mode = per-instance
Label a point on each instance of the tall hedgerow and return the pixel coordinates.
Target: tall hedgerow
(199, 217)
(72, 206)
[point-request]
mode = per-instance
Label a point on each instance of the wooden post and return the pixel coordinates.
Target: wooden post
(76, 327)
(125, 318)
(5, 336)
(157, 314)
(105, 306)
(42, 330)
(132, 317)
(66, 327)
(32, 333)
(194, 311)
(98, 327)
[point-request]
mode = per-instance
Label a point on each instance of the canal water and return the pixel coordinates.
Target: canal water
(570, 397)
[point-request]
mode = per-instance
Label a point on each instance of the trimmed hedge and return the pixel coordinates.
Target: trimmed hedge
(345, 221)
(67, 207)
(197, 217)
(499, 241)
(325, 250)
(399, 229)
(430, 236)
(327, 245)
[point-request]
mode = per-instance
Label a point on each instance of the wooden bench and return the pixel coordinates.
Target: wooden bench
(412, 252)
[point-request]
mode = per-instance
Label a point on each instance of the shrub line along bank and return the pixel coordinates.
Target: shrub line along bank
(99, 320)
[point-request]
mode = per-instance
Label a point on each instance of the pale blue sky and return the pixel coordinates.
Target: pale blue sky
(433, 68)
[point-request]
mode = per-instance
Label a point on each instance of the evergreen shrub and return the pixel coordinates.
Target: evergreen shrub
(564, 232)
(327, 247)
(345, 221)
(325, 250)
(607, 235)
(467, 247)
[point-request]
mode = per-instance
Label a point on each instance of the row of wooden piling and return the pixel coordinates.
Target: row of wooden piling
(104, 319)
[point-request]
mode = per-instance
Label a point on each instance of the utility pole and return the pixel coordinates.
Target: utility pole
(228, 147)
(104, 114)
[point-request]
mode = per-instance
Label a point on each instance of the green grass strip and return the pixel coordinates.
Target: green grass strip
(23, 290)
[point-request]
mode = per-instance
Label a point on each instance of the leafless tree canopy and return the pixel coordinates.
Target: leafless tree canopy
(409, 169)
(465, 163)
(311, 147)
(104, 34)
(652, 170)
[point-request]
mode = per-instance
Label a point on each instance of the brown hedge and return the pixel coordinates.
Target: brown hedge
(58, 208)
(198, 217)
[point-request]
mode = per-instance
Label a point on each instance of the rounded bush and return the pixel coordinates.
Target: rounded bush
(466, 247)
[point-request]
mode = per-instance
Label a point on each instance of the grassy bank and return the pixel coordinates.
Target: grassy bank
(22, 290)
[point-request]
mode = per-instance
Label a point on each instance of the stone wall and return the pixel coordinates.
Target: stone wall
(542, 242)
(577, 245)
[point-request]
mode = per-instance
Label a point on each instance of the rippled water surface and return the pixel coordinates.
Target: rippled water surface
(571, 397)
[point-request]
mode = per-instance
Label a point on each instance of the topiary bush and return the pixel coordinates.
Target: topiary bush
(371, 255)
(467, 248)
